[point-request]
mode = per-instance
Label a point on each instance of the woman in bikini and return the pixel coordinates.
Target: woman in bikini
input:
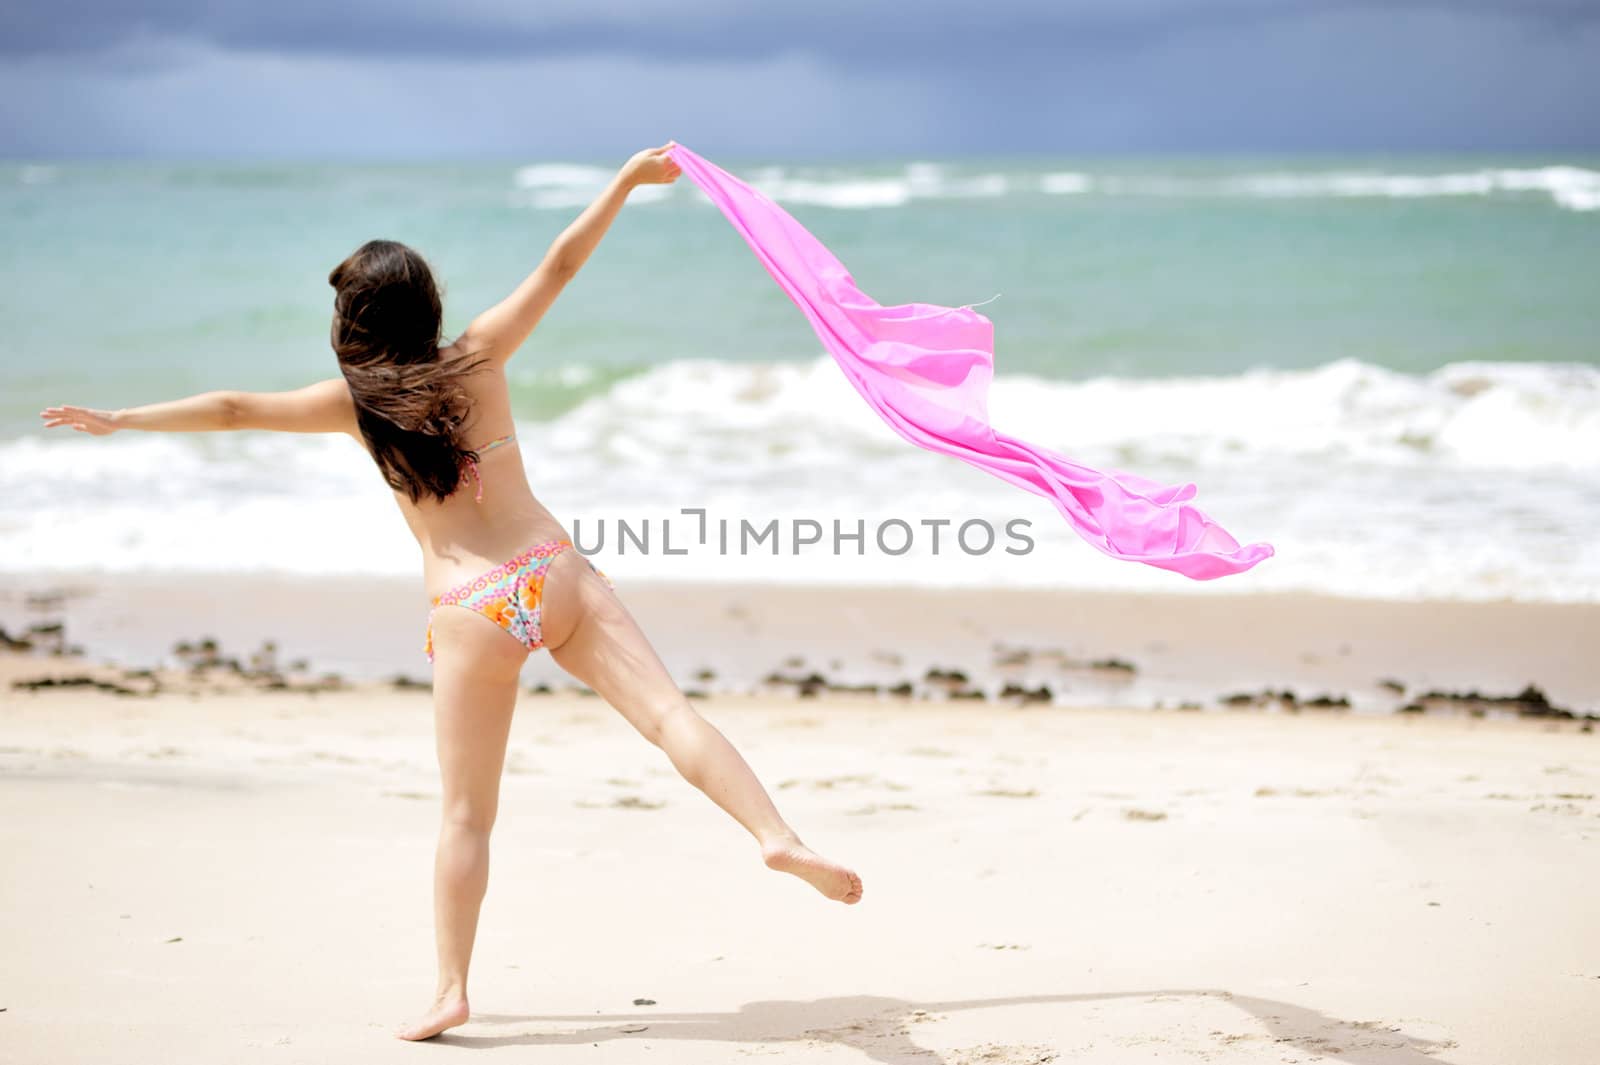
(436, 418)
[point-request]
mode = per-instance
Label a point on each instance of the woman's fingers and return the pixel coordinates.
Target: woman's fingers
(81, 419)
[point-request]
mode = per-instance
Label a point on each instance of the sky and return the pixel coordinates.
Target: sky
(368, 79)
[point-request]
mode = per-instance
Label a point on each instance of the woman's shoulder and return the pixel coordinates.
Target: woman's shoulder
(487, 390)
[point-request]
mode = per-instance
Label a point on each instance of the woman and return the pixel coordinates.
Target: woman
(437, 421)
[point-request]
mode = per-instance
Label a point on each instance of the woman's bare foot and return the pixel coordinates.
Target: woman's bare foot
(830, 878)
(448, 1010)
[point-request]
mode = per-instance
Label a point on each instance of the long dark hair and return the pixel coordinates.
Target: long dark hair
(410, 402)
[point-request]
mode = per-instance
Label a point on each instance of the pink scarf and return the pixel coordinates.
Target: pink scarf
(926, 369)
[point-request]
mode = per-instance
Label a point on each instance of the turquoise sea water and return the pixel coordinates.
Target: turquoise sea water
(1251, 324)
(151, 276)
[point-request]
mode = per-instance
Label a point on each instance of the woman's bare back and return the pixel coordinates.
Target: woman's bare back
(465, 535)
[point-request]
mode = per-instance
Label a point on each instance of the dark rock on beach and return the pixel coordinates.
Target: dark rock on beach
(952, 683)
(49, 637)
(265, 660)
(1013, 657)
(1529, 702)
(78, 680)
(806, 685)
(1041, 694)
(200, 656)
(1267, 697)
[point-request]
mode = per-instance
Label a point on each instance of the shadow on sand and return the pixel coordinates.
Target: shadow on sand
(884, 1029)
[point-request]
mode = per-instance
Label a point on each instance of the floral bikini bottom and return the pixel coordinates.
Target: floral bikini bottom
(508, 595)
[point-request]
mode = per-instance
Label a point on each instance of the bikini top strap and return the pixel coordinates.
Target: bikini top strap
(496, 442)
(490, 446)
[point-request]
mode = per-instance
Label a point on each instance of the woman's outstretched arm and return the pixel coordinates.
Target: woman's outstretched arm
(325, 407)
(498, 332)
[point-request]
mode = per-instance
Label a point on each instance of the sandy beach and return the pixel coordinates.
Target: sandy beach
(1122, 474)
(237, 868)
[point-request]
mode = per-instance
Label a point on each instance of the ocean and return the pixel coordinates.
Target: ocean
(1387, 368)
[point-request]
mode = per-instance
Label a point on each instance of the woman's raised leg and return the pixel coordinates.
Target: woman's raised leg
(592, 636)
(475, 670)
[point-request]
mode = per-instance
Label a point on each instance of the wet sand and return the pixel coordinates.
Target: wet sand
(1205, 648)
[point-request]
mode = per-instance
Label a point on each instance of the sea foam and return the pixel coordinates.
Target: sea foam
(1574, 188)
(1475, 481)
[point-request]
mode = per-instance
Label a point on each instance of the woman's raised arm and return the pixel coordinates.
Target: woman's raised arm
(325, 407)
(498, 332)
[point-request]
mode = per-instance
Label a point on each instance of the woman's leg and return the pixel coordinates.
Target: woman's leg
(592, 636)
(475, 670)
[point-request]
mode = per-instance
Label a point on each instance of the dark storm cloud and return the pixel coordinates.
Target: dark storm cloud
(845, 31)
(858, 77)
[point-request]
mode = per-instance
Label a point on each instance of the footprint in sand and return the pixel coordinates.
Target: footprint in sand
(830, 783)
(634, 802)
(1300, 793)
(872, 808)
(1010, 793)
(1002, 1054)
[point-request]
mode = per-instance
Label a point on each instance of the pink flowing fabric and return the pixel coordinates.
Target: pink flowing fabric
(926, 370)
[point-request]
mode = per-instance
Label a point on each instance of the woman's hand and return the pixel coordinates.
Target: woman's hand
(83, 419)
(653, 166)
